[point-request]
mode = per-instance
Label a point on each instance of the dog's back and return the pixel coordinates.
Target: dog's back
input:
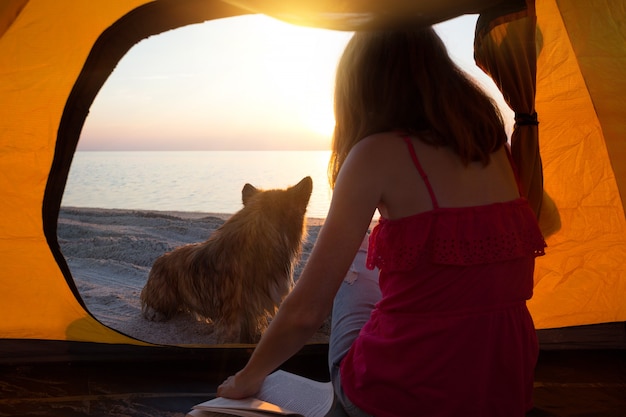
(241, 274)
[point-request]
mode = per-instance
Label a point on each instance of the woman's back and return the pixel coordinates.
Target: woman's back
(455, 247)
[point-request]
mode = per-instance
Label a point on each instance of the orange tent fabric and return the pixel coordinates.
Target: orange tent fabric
(514, 50)
(55, 55)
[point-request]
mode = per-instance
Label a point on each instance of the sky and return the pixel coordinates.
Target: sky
(240, 83)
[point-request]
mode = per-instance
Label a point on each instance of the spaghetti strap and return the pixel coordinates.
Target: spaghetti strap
(417, 164)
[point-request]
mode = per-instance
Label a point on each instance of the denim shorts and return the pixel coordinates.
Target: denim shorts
(352, 307)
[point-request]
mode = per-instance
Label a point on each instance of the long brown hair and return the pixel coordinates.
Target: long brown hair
(405, 80)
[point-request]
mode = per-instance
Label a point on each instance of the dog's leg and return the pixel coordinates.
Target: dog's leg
(252, 326)
(159, 299)
(151, 314)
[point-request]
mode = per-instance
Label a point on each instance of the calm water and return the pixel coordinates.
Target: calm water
(205, 181)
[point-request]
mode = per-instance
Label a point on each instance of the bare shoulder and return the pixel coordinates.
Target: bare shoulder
(369, 160)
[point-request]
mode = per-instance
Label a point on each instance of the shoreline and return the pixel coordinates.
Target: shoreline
(187, 215)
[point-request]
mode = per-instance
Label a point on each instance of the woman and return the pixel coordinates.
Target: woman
(447, 331)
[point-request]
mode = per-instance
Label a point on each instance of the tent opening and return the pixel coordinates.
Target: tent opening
(169, 139)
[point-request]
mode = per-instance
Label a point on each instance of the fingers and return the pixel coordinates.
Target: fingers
(236, 387)
(223, 388)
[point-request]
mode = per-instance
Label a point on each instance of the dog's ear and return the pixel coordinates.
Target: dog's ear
(303, 189)
(248, 192)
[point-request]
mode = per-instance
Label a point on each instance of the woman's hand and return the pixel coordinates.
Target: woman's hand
(238, 386)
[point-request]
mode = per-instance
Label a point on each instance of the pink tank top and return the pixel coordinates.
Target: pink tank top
(451, 335)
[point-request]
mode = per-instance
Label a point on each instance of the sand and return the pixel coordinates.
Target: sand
(110, 252)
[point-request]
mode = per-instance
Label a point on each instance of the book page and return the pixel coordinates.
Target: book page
(296, 393)
(255, 404)
(282, 393)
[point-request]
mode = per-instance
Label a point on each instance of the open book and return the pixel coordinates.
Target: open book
(282, 394)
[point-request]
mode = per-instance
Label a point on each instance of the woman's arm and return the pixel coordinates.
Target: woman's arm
(357, 193)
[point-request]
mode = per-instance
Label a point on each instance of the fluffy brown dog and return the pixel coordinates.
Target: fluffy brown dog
(241, 274)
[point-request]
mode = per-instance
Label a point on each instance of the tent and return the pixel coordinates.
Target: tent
(559, 63)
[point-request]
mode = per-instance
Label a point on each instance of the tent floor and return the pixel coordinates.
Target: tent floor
(568, 383)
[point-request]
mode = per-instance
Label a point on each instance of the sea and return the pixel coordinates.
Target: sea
(193, 181)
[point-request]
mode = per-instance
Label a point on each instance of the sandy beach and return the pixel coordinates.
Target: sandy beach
(110, 252)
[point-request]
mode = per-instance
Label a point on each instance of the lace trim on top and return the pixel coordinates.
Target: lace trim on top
(456, 236)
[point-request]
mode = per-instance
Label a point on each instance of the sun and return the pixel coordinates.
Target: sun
(302, 63)
(319, 119)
